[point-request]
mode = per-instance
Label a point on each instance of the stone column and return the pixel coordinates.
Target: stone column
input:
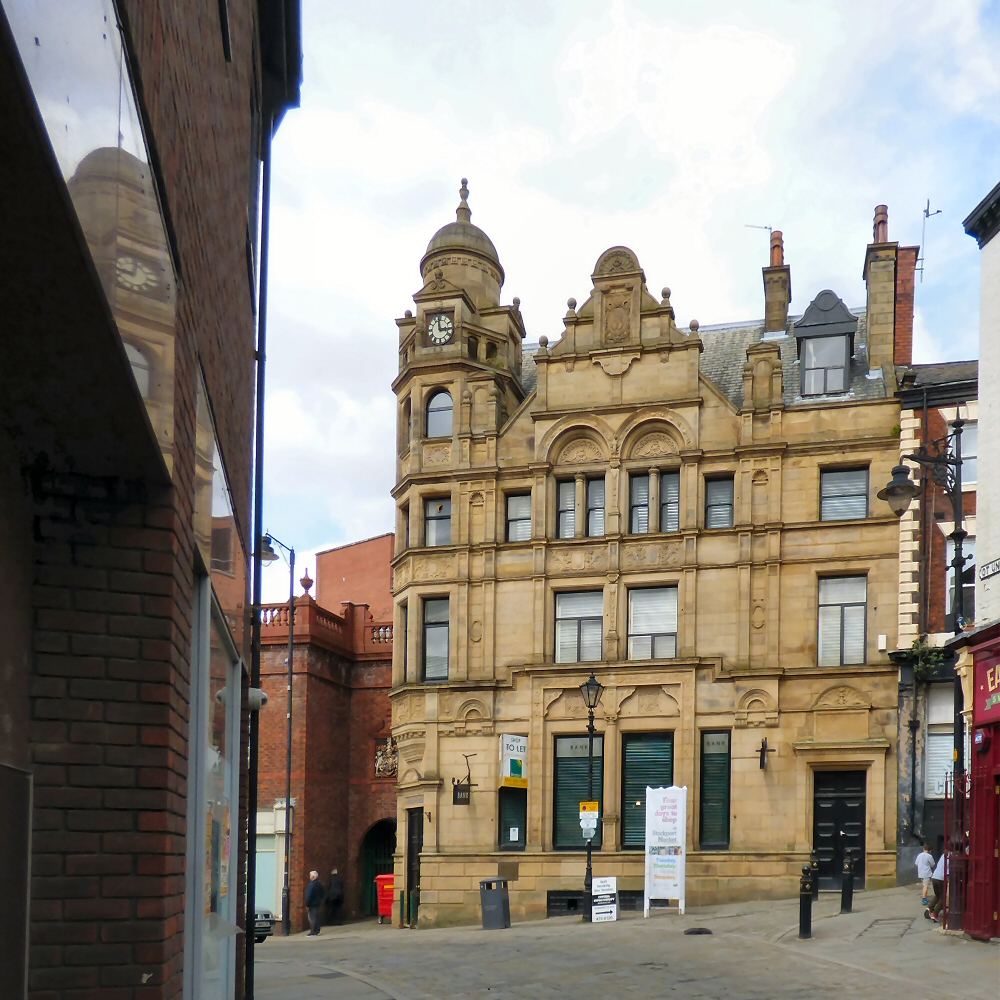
(581, 505)
(612, 784)
(654, 501)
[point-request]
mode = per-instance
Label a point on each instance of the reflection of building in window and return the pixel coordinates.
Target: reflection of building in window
(113, 195)
(222, 546)
(970, 453)
(968, 579)
(140, 368)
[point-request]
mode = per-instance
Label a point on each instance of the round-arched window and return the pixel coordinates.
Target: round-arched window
(439, 413)
(140, 368)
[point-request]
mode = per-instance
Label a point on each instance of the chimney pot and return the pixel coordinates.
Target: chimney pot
(880, 230)
(777, 249)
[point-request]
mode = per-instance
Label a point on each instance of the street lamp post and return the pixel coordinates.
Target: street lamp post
(268, 555)
(591, 690)
(944, 459)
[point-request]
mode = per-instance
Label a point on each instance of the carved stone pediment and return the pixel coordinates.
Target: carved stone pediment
(568, 704)
(650, 701)
(756, 709)
(617, 260)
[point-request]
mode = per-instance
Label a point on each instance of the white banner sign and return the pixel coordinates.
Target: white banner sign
(605, 893)
(666, 836)
(514, 761)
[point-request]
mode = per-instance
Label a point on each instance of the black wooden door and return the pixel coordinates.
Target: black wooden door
(414, 845)
(839, 825)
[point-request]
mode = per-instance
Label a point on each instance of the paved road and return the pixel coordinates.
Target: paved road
(885, 949)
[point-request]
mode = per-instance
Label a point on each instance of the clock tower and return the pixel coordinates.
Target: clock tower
(459, 353)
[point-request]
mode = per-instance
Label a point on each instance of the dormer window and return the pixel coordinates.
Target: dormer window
(824, 365)
(825, 336)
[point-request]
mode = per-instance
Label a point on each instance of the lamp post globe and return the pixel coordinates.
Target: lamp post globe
(899, 492)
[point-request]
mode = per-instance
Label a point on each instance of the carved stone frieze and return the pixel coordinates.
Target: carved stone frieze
(577, 559)
(652, 555)
(411, 745)
(437, 260)
(434, 568)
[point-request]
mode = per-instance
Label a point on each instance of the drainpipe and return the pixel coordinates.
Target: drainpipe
(258, 531)
(914, 726)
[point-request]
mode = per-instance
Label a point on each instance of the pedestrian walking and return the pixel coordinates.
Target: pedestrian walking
(335, 896)
(925, 869)
(937, 880)
(315, 894)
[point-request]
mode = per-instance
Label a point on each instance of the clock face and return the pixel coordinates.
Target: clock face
(440, 327)
(134, 275)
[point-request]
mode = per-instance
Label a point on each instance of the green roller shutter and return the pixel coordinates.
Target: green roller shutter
(647, 761)
(571, 790)
(715, 767)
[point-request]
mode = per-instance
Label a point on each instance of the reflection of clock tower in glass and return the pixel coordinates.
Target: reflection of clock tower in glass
(114, 199)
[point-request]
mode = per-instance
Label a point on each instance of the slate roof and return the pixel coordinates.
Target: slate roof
(945, 372)
(725, 355)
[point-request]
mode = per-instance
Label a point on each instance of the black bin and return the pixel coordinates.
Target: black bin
(495, 900)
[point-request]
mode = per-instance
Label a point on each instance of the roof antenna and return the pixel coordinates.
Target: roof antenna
(923, 233)
(751, 226)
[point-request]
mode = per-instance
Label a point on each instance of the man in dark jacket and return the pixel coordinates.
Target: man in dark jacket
(314, 903)
(335, 896)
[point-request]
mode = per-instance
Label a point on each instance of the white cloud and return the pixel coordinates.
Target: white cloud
(584, 125)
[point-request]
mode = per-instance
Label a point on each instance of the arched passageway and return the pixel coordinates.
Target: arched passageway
(377, 849)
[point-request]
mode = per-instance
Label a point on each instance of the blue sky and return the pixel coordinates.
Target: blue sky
(664, 126)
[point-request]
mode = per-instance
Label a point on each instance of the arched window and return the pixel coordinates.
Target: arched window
(140, 368)
(439, 411)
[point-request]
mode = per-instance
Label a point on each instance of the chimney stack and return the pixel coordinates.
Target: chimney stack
(777, 288)
(889, 273)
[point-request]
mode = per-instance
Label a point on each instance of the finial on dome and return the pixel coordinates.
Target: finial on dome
(463, 213)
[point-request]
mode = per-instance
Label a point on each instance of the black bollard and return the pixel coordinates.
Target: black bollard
(847, 887)
(805, 903)
(814, 873)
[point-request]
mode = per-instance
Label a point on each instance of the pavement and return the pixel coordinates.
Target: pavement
(884, 949)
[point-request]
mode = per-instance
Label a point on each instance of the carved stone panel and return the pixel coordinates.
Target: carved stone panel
(437, 454)
(578, 560)
(654, 445)
(580, 452)
(651, 702)
(617, 318)
(652, 555)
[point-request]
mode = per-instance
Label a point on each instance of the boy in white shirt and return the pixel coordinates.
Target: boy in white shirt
(925, 869)
(937, 880)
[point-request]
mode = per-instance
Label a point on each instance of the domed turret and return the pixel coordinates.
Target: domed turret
(465, 255)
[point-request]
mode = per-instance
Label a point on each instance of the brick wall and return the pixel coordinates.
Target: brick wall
(360, 573)
(339, 708)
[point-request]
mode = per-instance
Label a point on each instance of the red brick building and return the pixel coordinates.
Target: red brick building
(932, 397)
(343, 759)
(129, 267)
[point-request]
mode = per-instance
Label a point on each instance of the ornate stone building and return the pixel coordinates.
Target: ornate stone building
(690, 514)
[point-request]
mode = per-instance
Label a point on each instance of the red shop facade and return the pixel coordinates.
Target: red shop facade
(981, 918)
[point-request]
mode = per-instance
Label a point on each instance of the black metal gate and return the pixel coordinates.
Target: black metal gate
(379, 847)
(414, 845)
(839, 825)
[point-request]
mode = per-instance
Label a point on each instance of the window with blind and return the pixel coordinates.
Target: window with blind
(939, 759)
(670, 501)
(519, 518)
(843, 615)
(436, 627)
(647, 762)
(843, 494)
(579, 626)
(566, 516)
(719, 503)
(639, 504)
(652, 623)
(595, 508)
(437, 522)
(570, 789)
(715, 785)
